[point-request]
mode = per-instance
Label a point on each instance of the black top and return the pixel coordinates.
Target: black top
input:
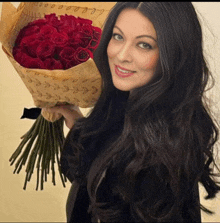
(149, 190)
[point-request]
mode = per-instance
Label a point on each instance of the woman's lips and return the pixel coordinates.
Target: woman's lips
(122, 72)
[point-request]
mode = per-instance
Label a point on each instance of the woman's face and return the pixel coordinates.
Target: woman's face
(133, 53)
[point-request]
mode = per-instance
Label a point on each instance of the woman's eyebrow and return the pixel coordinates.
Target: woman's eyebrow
(148, 36)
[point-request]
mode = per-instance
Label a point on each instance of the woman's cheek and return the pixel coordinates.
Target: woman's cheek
(110, 50)
(152, 62)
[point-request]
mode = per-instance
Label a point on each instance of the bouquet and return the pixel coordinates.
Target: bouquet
(51, 47)
(54, 43)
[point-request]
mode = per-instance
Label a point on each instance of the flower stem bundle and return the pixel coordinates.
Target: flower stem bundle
(40, 147)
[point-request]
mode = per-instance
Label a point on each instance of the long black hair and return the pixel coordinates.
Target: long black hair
(164, 123)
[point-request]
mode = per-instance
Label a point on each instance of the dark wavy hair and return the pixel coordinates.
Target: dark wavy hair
(165, 123)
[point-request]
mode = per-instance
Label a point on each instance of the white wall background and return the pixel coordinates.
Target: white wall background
(17, 205)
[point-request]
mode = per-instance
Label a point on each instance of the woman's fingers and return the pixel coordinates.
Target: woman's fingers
(69, 112)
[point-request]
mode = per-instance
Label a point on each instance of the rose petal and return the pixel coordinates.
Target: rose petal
(34, 63)
(60, 39)
(26, 31)
(32, 47)
(48, 30)
(97, 33)
(68, 20)
(67, 53)
(51, 64)
(30, 43)
(26, 61)
(52, 20)
(87, 28)
(20, 55)
(39, 22)
(70, 64)
(71, 32)
(82, 55)
(45, 49)
(81, 39)
(93, 44)
(28, 39)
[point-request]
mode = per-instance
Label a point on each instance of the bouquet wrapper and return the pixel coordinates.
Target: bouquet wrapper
(79, 85)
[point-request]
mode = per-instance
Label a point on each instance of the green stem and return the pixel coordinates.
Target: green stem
(21, 162)
(56, 146)
(38, 145)
(53, 151)
(25, 138)
(35, 152)
(43, 143)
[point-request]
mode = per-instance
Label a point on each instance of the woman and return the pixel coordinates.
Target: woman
(139, 155)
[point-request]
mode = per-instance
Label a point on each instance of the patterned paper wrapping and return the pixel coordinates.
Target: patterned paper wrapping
(79, 85)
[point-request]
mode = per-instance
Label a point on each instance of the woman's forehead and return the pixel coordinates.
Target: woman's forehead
(134, 22)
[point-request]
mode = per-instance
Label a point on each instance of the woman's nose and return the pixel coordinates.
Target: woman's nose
(125, 54)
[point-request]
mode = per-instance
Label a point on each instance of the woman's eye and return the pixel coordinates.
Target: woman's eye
(145, 45)
(117, 36)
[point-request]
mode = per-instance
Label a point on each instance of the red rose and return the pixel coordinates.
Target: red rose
(27, 39)
(83, 39)
(26, 31)
(20, 55)
(38, 22)
(30, 43)
(60, 39)
(66, 55)
(79, 39)
(15, 50)
(45, 49)
(26, 61)
(31, 30)
(96, 33)
(52, 20)
(93, 44)
(74, 38)
(34, 63)
(32, 47)
(68, 21)
(86, 28)
(82, 55)
(52, 64)
(47, 31)
(70, 64)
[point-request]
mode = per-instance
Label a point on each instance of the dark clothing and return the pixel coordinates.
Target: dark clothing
(148, 191)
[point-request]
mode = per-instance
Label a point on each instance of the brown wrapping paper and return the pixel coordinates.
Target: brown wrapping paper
(79, 85)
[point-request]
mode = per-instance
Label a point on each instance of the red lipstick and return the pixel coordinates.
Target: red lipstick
(120, 73)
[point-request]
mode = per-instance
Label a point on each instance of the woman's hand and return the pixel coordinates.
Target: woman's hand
(69, 112)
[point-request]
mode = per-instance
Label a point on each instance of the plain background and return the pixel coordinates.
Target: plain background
(17, 205)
